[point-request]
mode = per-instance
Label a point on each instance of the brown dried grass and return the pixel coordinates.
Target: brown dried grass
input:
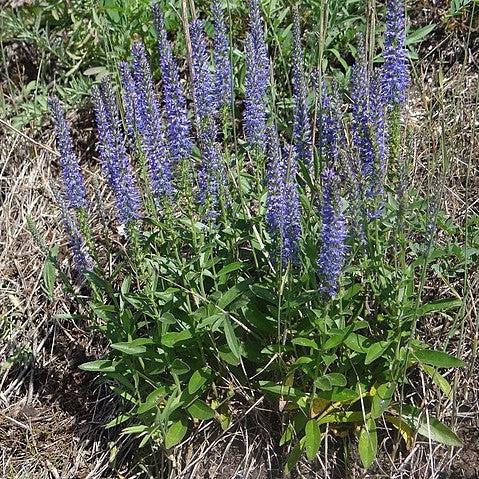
(52, 415)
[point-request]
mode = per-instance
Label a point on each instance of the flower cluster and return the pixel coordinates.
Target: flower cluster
(72, 177)
(396, 75)
(283, 208)
(329, 127)
(150, 126)
(224, 73)
(159, 133)
(128, 88)
(378, 131)
(211, 176)
(81, 257)
(178, 124)
(115, 162)
(204, 91)
(211, 169)
(256, 82)
(301, 123)
(369, 130)
(333, 234)
(360, 116)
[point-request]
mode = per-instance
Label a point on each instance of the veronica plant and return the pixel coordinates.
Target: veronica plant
(150, 127)
(178, 124)
(222, 57)
(283, 209)
(256, 82)
(211, 174)
(278, 294)
(115, 162)
(301, 123)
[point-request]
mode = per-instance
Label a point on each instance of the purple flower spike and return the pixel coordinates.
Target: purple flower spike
(150, 126)
(129, 100)
(330, 133)
(259, 43)
(369, 133)
(360, 87)
(257, 80)
(333, 235)
(283, 208)
(224, 73)
(301, 123)
(396, 75)
(377, 114)
(211, 175)
(115, 162)
(81, 258)
(178, 124)
(72, 177)
(203, 84)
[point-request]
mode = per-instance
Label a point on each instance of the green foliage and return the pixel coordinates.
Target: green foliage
(458, 8)
(207, 305)
(50, 272)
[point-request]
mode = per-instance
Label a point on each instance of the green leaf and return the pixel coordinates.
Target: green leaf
(306, 342)
(356, 342)
(137, 429)
(147, 437)
(170, 339)
(117, 421)
(440, 305)
(342, 416)
(336, 379)
(152, 400)
(339, 395)
(382, 399)
(231, 338)
(135, 347)
(175, 433)
(263, 293)
(429, 427)
(438, 359)
(98, 281)
(49, 272)
(375, 351)
(227, 356)
(280, 389)
(197, 380)
(229, 268)
(100, 366)
(94, 71)
(323, 383)
(338, 338)
(368, 443)
(179, 367)
(293, 459)
(287, 436)
(229, 296)
(303, 361)
(312, 439)
(200, 410)
(438, 379)
(420, 34)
